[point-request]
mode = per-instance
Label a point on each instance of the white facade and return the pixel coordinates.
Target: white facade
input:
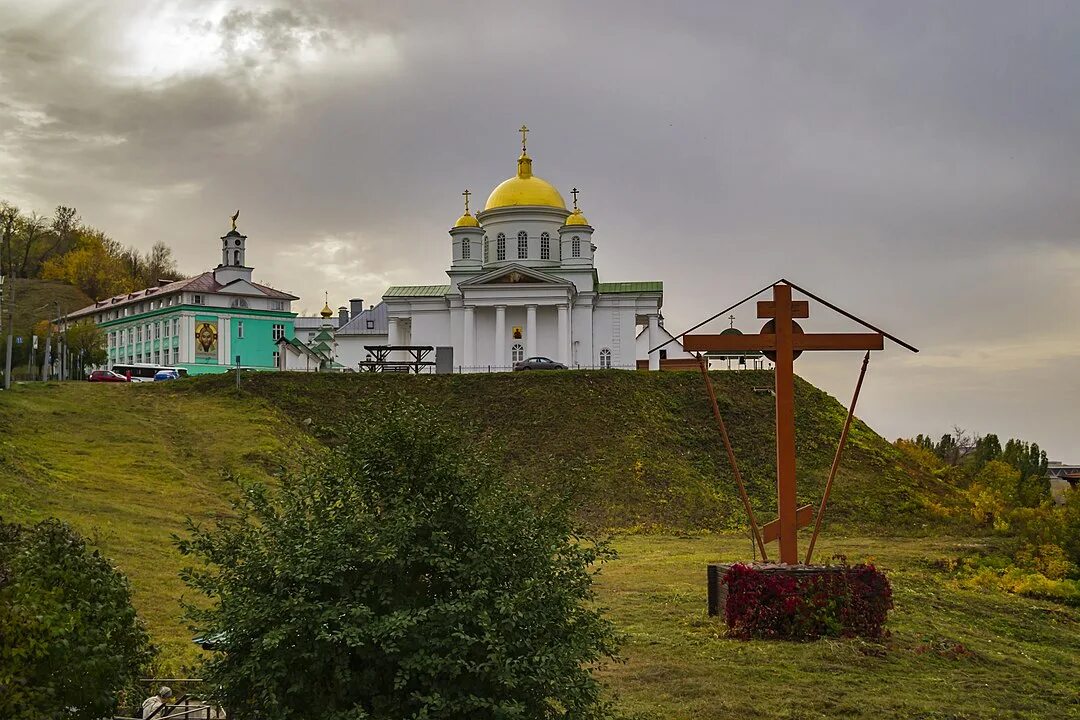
(523, 283)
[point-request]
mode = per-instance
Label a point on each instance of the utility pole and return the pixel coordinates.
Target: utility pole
(10, 320)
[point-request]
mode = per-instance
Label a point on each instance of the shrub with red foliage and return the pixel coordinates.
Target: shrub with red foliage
(841, 601)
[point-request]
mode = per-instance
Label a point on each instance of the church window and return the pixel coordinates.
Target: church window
(517, 353)
(575, 247)
(240, 329)
(466, 248)
(236, 257)
(605, 359)
(239, 303)
(278, 331)
(198, 300)
(487, 250)
(545, 246)
(277, 358)
(523, 245)
(500, 247)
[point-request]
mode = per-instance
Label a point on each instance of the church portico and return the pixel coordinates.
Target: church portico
(523, 283)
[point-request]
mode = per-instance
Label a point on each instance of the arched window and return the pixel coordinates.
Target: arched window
(500, 247)
(517, 352)
(575, 247)
(236, 257)
(487, 250)
(545, 246)
(605, 359)
(466, 248)
(523, 245)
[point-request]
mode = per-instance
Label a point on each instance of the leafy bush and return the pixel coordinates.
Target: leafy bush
(839, 601)
(70, 643)
(399, 577)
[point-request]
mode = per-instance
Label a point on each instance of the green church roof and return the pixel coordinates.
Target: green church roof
(630, 287)
(416, 291)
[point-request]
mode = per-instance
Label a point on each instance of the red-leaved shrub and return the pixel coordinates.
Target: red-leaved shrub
(841, 601)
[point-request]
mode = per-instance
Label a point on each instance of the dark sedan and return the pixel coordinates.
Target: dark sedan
(538, 363)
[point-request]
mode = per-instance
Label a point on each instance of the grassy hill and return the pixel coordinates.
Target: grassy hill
(127, 463)
(36, 300)
(634, 451)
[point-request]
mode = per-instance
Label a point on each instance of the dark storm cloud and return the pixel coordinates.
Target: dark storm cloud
(916, 161)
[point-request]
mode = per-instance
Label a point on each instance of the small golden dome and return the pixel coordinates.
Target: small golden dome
(525, 189)
(466, 220)
(577, 218)
(326, 312)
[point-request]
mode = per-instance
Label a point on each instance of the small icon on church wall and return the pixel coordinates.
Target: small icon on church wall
(517, 332)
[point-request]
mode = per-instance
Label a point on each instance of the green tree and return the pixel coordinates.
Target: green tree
(399, 577)
(70, 643)
(93, 265)
(86, 342)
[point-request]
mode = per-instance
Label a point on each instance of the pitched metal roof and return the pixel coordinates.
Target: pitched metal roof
(416, 291)
(205, 282)
(630, 287)
(358, 323)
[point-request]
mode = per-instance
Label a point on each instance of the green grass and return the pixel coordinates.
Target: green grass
(125, 465)
(953, 653)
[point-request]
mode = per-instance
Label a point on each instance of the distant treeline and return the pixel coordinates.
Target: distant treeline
(63, 248)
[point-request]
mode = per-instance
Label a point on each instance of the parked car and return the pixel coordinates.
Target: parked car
(166, 375)
(538, 363)
(105, 376)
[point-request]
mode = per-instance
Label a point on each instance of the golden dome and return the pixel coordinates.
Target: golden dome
(326, 312)
(577, 218)
(466, 220)
(524, 189)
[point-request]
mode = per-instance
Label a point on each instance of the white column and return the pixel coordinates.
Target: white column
(500, 335)
(564, 339)
(530, 331)
(393, 335)
(654, 340)
(470, 339)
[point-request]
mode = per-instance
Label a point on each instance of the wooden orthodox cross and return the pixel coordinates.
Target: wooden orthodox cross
(782, 340)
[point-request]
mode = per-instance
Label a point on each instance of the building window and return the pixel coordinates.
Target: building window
(545, 246)
(605, 359)
(236, 257)
(370, 324)
(466, 249)
(523, 245)
(157, 357)
(240, 329)
(198, 300)
(500, 247)
(175, 327)
(277, 358)
(575, 247)
(238, 303)
(278, 331)
(487, 250)
(277, 305)
(517, 353)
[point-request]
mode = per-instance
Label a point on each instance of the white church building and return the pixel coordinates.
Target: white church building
(522, 283)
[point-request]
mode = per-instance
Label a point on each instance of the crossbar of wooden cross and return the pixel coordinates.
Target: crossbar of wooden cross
(782, 340)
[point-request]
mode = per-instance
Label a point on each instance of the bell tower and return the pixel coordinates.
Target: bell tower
(233, 263)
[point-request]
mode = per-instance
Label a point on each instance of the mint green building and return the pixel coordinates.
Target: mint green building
(202, 324)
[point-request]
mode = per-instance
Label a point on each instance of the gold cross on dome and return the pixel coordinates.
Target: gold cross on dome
(524, 131)
(466, 194)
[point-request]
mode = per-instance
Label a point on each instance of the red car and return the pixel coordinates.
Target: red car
(106, 376)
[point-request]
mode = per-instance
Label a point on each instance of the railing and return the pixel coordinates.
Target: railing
(188, 706)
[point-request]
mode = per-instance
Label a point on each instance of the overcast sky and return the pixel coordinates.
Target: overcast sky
(917, 163)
